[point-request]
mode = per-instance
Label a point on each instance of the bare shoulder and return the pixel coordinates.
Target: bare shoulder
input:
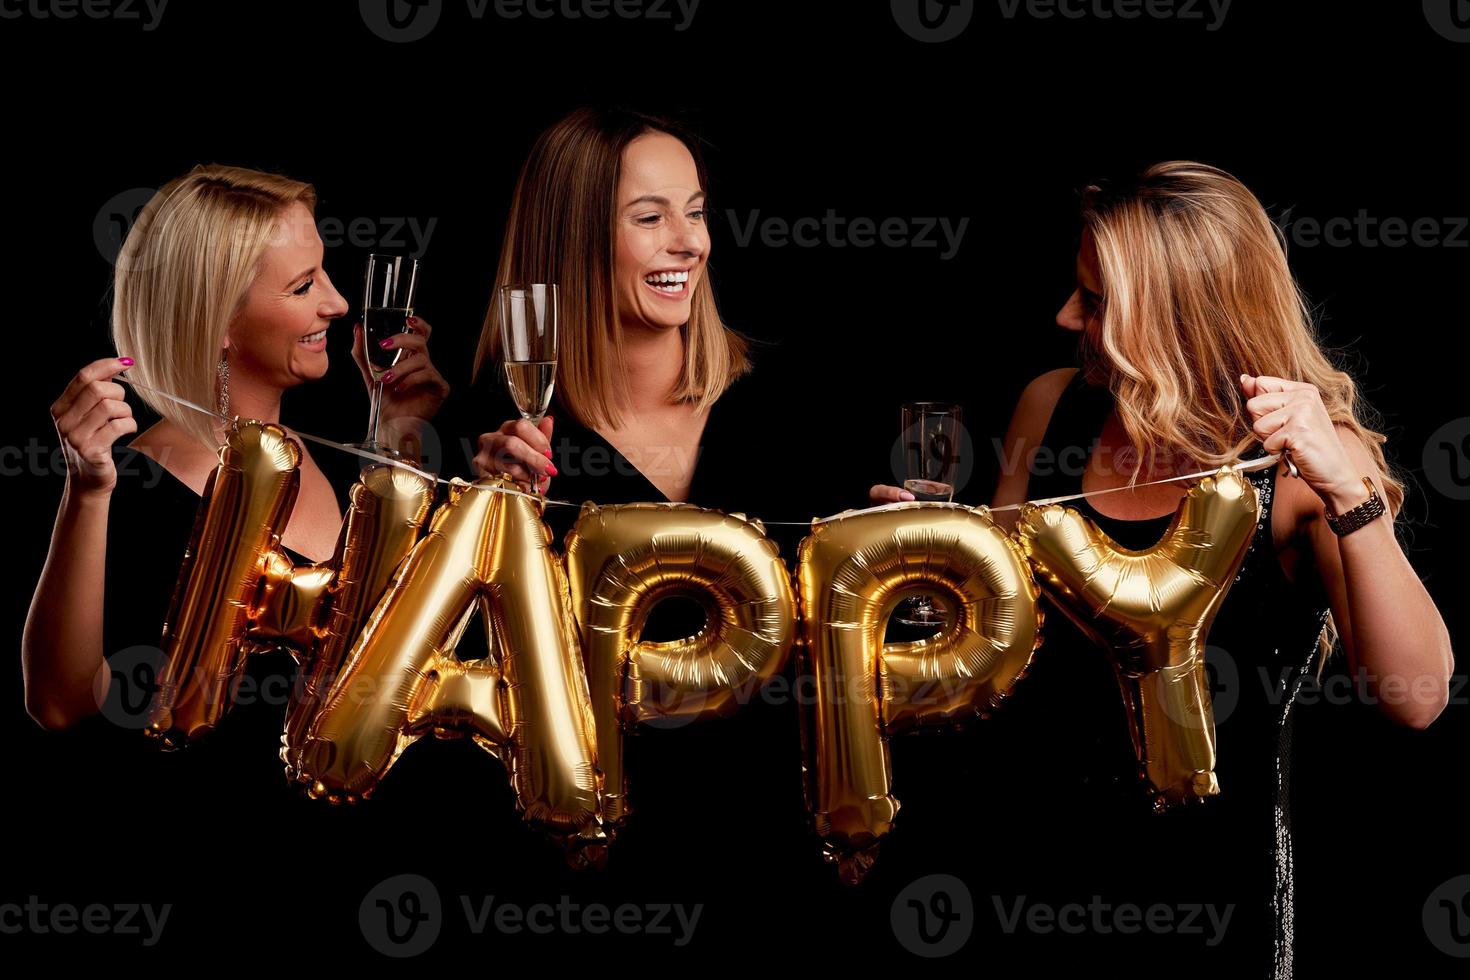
(1028, 425)
(178, 452)
(1040, 396)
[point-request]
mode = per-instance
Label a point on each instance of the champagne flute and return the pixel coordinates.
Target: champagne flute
(931, 444)
(387, 303)
(528, 325)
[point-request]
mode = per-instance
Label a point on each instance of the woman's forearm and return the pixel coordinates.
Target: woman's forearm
(1398, 640)
(61, 649)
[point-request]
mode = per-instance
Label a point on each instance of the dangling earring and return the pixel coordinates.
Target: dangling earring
(222, 373)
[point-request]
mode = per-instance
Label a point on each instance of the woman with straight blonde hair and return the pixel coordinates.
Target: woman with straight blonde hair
(220, 299)
(611, 206)
(1196, 350)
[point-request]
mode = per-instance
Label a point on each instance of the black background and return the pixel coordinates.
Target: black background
(1324, 111)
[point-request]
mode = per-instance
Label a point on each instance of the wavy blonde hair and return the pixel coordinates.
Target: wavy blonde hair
(182, 275)
(1196, 292)
(561, 229)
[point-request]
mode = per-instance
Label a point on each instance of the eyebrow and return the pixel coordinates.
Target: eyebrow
(657, 199)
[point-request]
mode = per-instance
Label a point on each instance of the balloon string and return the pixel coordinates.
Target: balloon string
(1247, 466)
(233, 421)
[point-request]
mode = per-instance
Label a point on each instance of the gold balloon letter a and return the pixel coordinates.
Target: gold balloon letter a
(854, 570)
(1152, 609)
(401, 679)
(621, 562)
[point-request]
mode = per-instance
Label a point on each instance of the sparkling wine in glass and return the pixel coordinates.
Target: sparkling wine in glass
(388, 297)
(931, 449)
(528, 337)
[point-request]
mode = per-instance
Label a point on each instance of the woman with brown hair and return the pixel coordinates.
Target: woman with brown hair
(611, 206)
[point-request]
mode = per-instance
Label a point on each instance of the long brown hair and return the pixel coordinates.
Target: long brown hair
(1196, 292)
(561, 229)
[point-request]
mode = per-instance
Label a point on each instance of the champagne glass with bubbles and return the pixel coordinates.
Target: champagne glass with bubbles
(388, 297)
(528, 329)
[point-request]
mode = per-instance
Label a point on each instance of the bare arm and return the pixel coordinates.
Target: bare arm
(1027, 428)
(1397, 645)
(61, 648)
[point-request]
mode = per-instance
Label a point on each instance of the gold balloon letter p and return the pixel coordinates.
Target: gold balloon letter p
(855, 568)
(621, 561)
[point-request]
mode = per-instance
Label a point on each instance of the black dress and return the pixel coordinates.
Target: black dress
(755, 754)
(150, 518)
(729, 474)
(1235, 849)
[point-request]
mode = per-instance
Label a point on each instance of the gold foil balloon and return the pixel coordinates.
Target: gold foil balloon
(387, 510)
(238, 592)
(244, 507)
(526, 702)
(854, 569)
(621, 562)
(1152, 609)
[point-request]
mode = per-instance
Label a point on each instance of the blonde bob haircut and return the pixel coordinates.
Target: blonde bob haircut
(182, 276)
(1196, 292)
(561, 229)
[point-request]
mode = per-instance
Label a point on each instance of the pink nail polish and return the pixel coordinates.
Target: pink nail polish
(548, 454)
(126, 360)
(385, 343)
(550, 470)
(388, 377)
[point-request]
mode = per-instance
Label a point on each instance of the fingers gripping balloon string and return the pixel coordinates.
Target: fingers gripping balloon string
(1247, 466)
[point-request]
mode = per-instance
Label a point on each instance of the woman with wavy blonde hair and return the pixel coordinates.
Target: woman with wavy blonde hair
(1197, 349)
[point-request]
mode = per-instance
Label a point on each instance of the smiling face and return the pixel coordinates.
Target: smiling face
(280, 332)
(662, 241)
(1083, 309)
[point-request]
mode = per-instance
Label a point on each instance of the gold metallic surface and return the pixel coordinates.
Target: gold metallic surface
(621, 562)
(243, 510)
(1151, 609)
(853, 570)
(488, 551)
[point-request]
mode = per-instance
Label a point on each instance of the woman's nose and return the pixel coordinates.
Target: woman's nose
(333, 304)
(1070, 317)
(688, 240)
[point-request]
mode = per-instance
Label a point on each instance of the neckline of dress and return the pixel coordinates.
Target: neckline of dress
(185, 489)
